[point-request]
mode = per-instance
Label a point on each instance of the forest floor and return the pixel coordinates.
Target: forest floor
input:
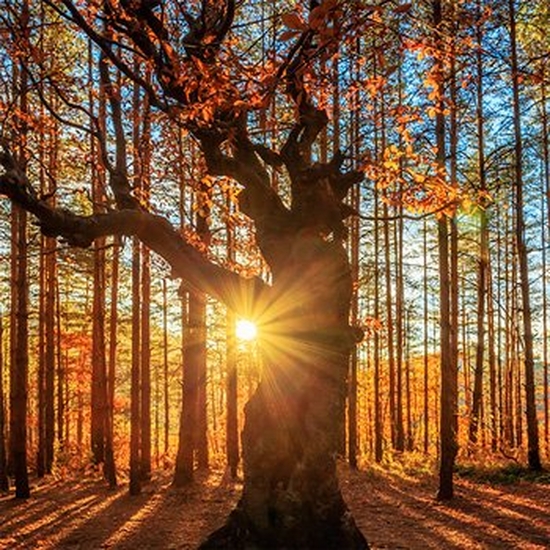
(393, 508)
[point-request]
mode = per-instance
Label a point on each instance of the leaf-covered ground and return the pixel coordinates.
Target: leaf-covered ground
(394, 510)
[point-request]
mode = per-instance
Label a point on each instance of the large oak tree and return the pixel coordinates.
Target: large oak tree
(291, 496)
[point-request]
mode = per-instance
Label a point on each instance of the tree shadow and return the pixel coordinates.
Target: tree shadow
(182, 517)
(399, 512)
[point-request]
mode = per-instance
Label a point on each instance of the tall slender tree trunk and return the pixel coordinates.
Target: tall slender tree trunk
(4, 482)
(135, 399)
(195, 362)
(143, 142)
(99, 374)
(109, 467)
(426, 392)
(448, 374)
(454, 236)
(40, 378)
(380, 122)
(493, 380)
(232, 422)
(545, 241)
(354, 236)
(136, 476)
(19, 359)
(61, 373)
(99, 377)
(529, 362)
(50, 279)
(145, 363)
(354, 359)
(183, 472)
(50, 317)
(483, 261)
(378, 424)
(165, 377)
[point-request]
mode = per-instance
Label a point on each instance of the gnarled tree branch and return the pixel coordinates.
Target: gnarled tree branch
(246, 297)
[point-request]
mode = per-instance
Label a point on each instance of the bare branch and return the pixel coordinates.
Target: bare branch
(240, 294)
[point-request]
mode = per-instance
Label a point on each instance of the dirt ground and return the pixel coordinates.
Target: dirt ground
(394, 511)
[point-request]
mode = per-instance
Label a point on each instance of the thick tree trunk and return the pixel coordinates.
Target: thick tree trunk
(291, 496)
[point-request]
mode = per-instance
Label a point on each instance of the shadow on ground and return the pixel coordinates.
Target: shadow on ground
(394, 511)
(401, 512)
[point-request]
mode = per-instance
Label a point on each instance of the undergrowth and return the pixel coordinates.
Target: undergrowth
(500, 474)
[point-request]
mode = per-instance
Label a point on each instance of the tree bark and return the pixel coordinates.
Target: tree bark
(4, 482)
(109, 467)
(545, 232)
(448, 441)
(142, 145)
(529, 361)
(19, 352)
(165, 379)
(232, 421)
(426, 395)
(291, 497)
(20, 358)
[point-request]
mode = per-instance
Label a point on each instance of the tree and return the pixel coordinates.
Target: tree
(291, 495)
(232, 428)
(529, 361)
(19, 349)
(4, 482)
(448, 366)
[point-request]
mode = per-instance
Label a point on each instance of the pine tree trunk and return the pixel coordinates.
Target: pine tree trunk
(426, 394)
(99, 375)
(529, 361)
(98, 356)
(354, 236)
(232, 422)
(19, 352)
(494, 409)
(200, 355)
(40, 378)
(183, 473)
(378, 419)
(193, 441)
(144, 153)
(545, 232)
(109, 467)
(135, 399)
(50, 341)
(61, 373)
(378, 425)
(20, 357)
(448, 373)
(145, 364)
(4, 482)
(480, 346)
(165, 378)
